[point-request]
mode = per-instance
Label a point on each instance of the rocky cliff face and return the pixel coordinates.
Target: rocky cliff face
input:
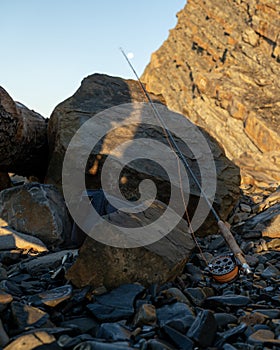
(220, 67)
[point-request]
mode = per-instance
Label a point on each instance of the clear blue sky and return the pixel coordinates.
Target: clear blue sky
(49, 46)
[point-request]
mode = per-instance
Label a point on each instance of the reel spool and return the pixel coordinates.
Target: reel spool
(223, 268)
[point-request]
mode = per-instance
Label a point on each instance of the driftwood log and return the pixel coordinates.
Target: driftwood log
(23, 139)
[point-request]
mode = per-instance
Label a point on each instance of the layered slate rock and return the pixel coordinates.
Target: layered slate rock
(117, 304)
(23, 139)
(37, 210)
(100, 92)
(100, 264)
(220, 67)
(33, 341)
(11, 239)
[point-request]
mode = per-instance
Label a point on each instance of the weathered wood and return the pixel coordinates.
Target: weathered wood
(23, 138)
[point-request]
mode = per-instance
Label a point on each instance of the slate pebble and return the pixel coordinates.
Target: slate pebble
(175, 311)
(204, 328)
(191, 312)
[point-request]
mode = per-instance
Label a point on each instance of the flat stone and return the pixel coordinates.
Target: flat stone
(230, 334)
(145, 315)
(204, 328)
(3, 273)
(257, 327)
(53, 297)
(223, 319)
(240, 218)
(276, 324)
(117, 304)
(113, 331)
(26, 316)
(261, 336)
(245, 207)
(253, 318)
(267, 223)
(271, 313)
(5, 300)
(194, 272)
(33, 341)
(32, 286)
(46, 262)
(252, 260)
(173, 312)
(252, 235)
(177, 294)
(227, 300)
(270, 272)
(198, 295)
(202, 257)
(11, 288)
(4, 338)
(217, 243)
(19, 277)
(259, 269)
(180, 340)
(181, 325)
(276, 298)
(65, 341)
(9, 257)
(82, 324)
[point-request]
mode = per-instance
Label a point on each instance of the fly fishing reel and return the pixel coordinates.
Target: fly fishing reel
(223, 268)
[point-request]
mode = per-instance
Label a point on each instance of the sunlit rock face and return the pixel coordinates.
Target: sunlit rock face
(220, 68)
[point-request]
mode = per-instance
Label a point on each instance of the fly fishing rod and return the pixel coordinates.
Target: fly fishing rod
(230, 240)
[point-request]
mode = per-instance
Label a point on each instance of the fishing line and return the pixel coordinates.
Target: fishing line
(173, 145)
(171, 139)
(230, 240)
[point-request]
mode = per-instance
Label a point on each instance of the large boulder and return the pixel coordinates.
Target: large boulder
(38, 210)
(96, 93)
(220, 68)
(101, 264)
(23, 138)
(91, 102)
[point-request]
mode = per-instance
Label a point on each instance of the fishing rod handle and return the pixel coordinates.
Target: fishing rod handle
(231, 242)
